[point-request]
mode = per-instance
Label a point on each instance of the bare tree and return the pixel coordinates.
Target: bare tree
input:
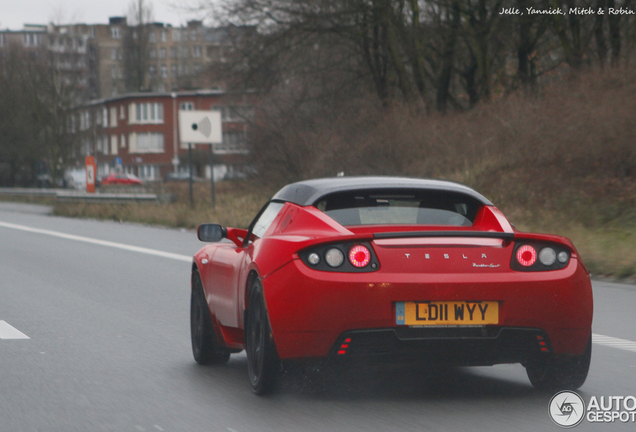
(36, 114)
(136, 46)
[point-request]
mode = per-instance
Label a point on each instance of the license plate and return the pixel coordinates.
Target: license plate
(447, 313)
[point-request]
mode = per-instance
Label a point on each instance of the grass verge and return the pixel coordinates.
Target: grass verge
(236, 205)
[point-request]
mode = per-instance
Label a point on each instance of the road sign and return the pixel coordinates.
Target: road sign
(201, 127)
(91, 170)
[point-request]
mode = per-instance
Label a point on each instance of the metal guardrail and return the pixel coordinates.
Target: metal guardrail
(64, 195)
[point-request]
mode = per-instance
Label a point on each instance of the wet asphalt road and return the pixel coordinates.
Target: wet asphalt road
(108, 350)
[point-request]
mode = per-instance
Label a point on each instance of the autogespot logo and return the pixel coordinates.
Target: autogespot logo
(567, 409)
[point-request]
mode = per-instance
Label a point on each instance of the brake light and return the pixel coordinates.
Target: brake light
(526, 255)
(359, 256)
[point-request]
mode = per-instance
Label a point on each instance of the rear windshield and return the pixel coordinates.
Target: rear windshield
(400, 207)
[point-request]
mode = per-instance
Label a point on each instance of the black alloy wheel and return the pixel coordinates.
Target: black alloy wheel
(567, 374)
(205, 347)
(263, 363)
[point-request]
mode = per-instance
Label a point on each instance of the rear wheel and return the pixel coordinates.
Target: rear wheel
(262, 359)
(205, 348)
(558, 375)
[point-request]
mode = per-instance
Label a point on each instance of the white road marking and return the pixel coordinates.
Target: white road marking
(9, 332)
(98, 242)
(613, 342)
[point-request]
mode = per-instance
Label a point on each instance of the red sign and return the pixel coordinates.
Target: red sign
(91, 171)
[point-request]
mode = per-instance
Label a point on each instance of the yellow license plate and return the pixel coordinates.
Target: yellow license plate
(447, 313)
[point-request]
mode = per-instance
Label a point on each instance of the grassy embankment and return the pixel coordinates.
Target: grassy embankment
(563, 162)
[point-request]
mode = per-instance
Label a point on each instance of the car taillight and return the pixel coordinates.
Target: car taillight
(526, 255)
(539, 257)
(359, 256)
(547, 256)
(350, 257)
(334, 257)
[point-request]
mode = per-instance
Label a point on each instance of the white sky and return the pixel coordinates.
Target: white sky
(15, 13)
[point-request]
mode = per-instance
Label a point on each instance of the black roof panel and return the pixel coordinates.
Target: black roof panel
(308, 192)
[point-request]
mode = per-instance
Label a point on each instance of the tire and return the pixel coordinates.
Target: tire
(263, 364)
(561, 375)
(205, 348)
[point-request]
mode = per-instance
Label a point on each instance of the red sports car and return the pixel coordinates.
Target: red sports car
(339, 269)
(120, 179)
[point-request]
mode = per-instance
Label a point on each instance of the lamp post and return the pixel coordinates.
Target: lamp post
(212, 175)
(175, 136)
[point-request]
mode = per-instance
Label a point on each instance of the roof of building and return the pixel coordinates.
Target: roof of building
(141, 95)
(308, 192)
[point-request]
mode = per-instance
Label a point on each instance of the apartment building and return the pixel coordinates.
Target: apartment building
(93, 56)
(66, 49)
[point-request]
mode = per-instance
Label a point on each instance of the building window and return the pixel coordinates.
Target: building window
(164, 36)
(148, 172)
(186, 106)
(113, 144)
(232, 141)
(115, 33)
(150, 112)
(153, 37)
(122, 141)
(146, 142)
(176, 35)
(193, 35)
(162, 53)
(113, 117)
(235, 114)
(173, 70)
(196, 51)
(122, 112)
(153, 53)
(173, 52)
(104, 145)
(164, 71)
(30, 39)
(84, 120)
(113, 53)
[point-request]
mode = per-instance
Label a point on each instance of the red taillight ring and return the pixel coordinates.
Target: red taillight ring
(359, 256)
(526, 255)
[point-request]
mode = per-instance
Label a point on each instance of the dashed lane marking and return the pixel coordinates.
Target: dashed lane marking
(613, 342)
(7, 331)
(98, 242)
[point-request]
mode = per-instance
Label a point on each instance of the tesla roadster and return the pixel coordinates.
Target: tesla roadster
(409, 270)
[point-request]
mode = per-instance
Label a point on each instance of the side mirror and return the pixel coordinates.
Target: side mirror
(211, 232)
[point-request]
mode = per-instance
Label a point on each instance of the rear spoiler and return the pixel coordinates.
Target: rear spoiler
(472, 234)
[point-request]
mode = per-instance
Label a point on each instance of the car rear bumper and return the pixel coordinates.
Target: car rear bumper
(312, 312)
(441, 346)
